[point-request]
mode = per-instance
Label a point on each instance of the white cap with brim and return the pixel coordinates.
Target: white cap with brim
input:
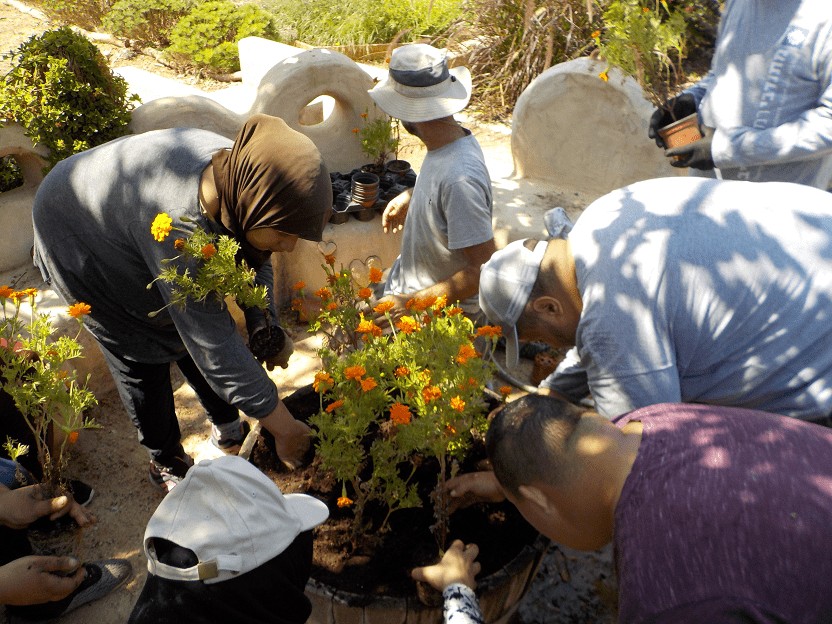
(232, 516)
(506, 283)
(419, 85)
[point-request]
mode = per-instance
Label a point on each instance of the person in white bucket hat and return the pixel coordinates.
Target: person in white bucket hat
(225, 545)
(446, 216)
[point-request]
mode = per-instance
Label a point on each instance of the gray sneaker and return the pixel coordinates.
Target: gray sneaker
(102, 578)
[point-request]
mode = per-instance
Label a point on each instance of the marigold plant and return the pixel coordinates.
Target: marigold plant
(391, 399)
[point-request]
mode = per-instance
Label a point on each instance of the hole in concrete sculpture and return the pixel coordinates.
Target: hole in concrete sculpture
(317, 111)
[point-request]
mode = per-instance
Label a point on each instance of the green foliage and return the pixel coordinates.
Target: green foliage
(647, 40)
(208, 35)
(344, 22)
(10, 174)
(84, 13)
(38, 375)
(61, 90)
(389, 401)
(515, 42)
(147, 22)
(207, 267)
(379, 137)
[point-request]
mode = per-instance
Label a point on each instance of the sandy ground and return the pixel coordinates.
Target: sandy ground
(571, 586)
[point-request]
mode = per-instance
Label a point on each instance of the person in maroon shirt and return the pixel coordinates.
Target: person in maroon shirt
(716, 514)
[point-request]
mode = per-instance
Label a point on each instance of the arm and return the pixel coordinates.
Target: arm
(454, 577)
(392, 219)
(568, 381)
(618, 395)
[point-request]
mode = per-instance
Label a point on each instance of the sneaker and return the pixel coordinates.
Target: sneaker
(229, 445)
(102, 578)
(81, 492)
(166, 477)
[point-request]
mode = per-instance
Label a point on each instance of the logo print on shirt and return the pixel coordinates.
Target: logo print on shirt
(795, 37)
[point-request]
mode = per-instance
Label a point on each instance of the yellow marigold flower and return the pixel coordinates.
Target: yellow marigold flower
(331, 306)
(384, 307)
(299, 285)
(604, 76)
(161, 226)
(490, 331)
(344, 501)
(355, 372)
(402, 371)
(77, 310)
(368, 384)
(179, 244)
(6, 292)
(441, 302)
(457, 404)
(375, 275)
(365, 293)
(323, 382)
(208, 251)
(330, 259)
(323, 293)
(368, 326)
(454, 311)
(505, 390)
(408, 325)
(595, 33)
(431, 393)
(334, 406)
(466, 352)
(400, 414)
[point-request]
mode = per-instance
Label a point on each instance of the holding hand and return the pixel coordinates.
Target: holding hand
(474, 487)
(392, 219)
(696, 154)
(673, 110)
(35, 580)
(458, 565)
(21, 507)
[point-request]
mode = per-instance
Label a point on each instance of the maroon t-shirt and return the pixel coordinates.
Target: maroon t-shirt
(725, 517)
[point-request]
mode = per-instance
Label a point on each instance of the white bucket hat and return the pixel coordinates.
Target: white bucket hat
(419, 85)
(232, 516)
(506, 283)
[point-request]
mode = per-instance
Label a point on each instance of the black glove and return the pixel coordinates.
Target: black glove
(696, 154)
(673, 110)
(272, 346)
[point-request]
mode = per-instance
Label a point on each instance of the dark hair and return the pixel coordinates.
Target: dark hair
(528, 439)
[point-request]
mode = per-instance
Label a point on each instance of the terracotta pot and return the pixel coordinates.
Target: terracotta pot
(681, 132)
(365, 189)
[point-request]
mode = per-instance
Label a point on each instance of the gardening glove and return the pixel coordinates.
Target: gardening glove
(271, 346)
(281, 359)
(696, 154)
(673, 110)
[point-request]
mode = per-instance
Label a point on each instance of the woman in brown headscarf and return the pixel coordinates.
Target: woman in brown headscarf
(92, 220)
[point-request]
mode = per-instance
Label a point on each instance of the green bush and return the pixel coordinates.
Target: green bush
(84, 13)
(62, 92)
(343, 22)
(208, 35)
(147, 22)
(10, 174)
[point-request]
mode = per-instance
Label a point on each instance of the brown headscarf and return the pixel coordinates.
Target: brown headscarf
(271, 177)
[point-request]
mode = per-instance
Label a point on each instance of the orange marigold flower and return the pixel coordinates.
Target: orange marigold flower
(331, 306)
(323, 293)
(365, 293)
(604, 75)
(208, 251)
(368, 384)
(331, 279)
(77, 310)
(344, 501)
(454, 311)
(402, 371)
(323, 381)
(595, 33)
(472, 382)
(383, 307)
(355, 130)
(334, 406)
(407, 325)
(457, 404)
(73, 437)
(490, 331)
(400, 414)
(179, 244)
(368, 326)
(375, 275)
(364, 115)
(645, 10)
(505, 390)
(330, 259)
(299, 285)
(441, 302)
(6, 292)
(466, 352)
(355, 372)
(431, 393)
(161, 226)
(450, 429)
(297, 305)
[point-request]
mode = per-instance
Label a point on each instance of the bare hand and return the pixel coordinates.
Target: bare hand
(21, 507)
(392, 219)
(30, 580)
(474, 487)
(458, 565)
(292, 438)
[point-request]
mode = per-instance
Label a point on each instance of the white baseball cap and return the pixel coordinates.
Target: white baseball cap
(232, 516)
(419, 85)
(506, 283)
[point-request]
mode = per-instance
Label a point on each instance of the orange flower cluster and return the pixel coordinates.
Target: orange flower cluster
(6, 292)
(505, 390)
(490, 331)
(383, 307)
(466, 352)
(368, 327)
(408, 325)
(161, 226)
(179, 244)
(368, 384)
(323, 293)
(355, 372)
(420, 304)
(334, 406)
(375, 275)
(344, 501)
(77, 310)
(457, 404)
(299, 285)
(400, 414)
(330, 259)
(453, 311)
(365, 293)
(331, 306)
(431, 393)
(402, 371)
(297, 305)
(208, 251)
(323, 382)
(72, 438)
